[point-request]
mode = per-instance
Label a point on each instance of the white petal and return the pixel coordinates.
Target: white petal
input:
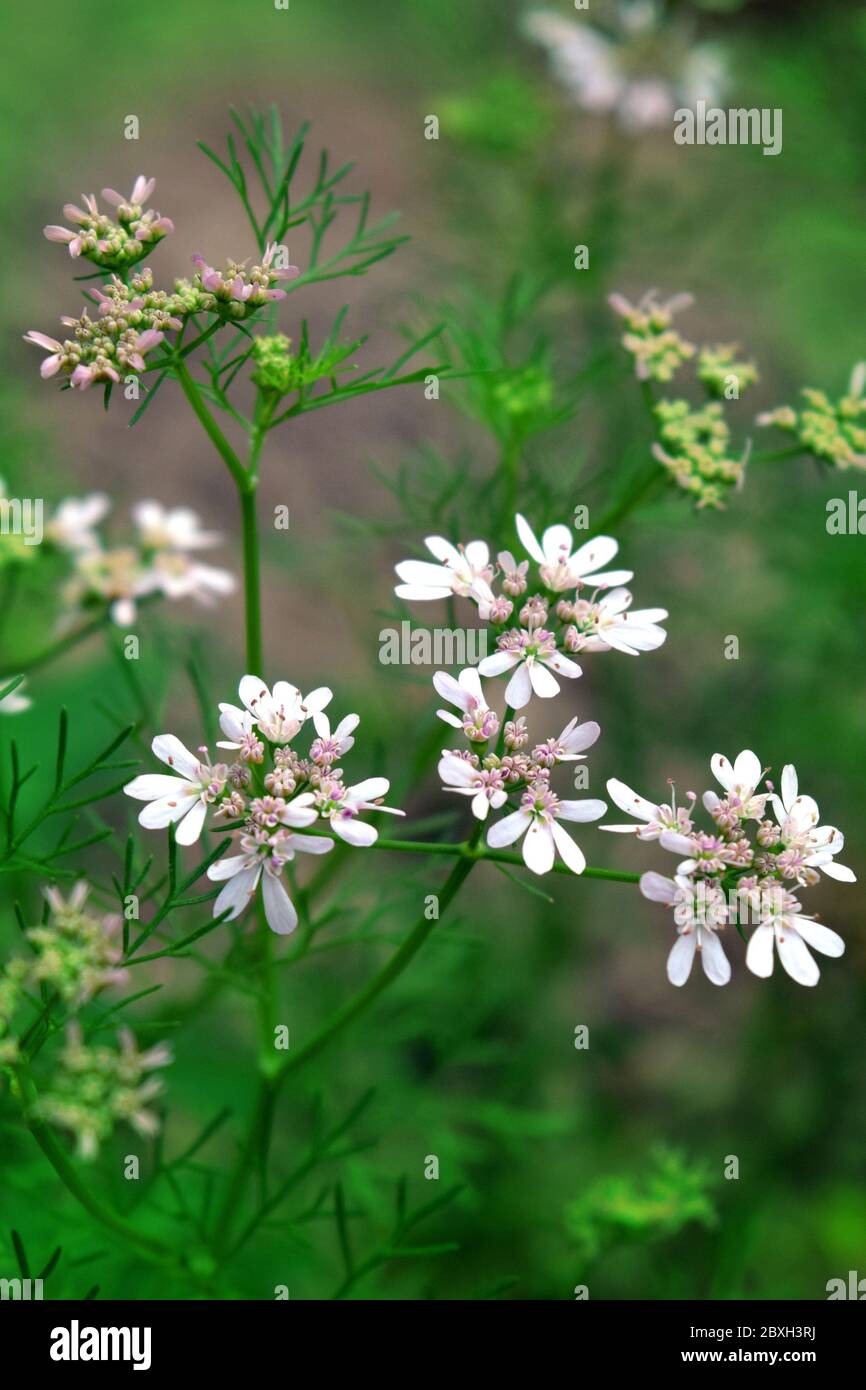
(170, 750)
(190, 826)
(759, 952)
(629, 801)
(227, 867)
(789, 784)
(518, 691)
(255, 694)
(317, 699)
(747, 769)
(498, 662)
(563, 666)
(820, 938)
(593, 555)
(354, 832)
(509, 829)
(722, 770)
(478, 554)
(717, 967)
(237, 893)
(556, 544)
(543, 683)
(456, 772)
(838, 871)
(682, 954)
(312, 844)
(527, 539)
(416, 593)
(585, 810)
(421, 574)
(235, 722)
(796, 958)
(480, 805)
(150, 786)
(369, 789)
(538, 848)
(450, 690)
(279, 909)
(570, 852)
(444, 551)
(159, 814)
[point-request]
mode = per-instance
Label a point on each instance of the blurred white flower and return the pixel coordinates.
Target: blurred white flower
(641, 72)
(178, 528)
(72, 525)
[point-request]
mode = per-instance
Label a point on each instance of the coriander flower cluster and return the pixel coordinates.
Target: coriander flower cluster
(274, 801)
(834, 431)
(694, 444)
(572, 604)
(747, 869)
(510, 776)
(95, 1088)
(131, 316)
(160, 560)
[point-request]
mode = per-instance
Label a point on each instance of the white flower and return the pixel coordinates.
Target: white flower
(183, 799)
(262, 859)
(560, 568)
(479, 723)
(652, 820)
(328, 746)
(534, 654)
(740, 782)
(538, 820)
(798, 818)
(463, 570)
(608, 623)
(175, 529)
(342, 805)
(574, 739)
(71, 526)
(792, 933)
(486, 786)
(695, 932)
(16, 701)
(279, 715)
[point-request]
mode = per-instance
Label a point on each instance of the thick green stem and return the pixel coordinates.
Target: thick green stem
(252, 581)
(209, 424)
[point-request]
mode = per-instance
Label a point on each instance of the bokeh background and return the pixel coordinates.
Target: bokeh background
(601, 1167)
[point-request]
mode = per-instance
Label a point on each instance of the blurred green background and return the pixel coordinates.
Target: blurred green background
(601, 1167)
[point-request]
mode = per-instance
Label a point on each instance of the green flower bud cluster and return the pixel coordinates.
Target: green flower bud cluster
(96, 1088)
(695, 450)
(280, 371)
(718, 369)
(833, 431)
(525, 392)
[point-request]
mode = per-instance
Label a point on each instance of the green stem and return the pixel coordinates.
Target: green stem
(252, 580)
(209, 424)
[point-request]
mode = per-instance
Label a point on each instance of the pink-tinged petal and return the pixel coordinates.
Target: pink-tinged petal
(676, 843)
(682, 954)
(518, 691)
(538, 848)
(82, 378)
(759, 952)
(151, 786)
(170, 750)
(527, 539)
(299, 816)
(717, 967)
(657, 888)
(237, 893)
(53, 233)
(451, 690)
(570, 852)
(279, 908)
(42, 340)
(457, 772)
(509, 829)
(796, 958)
(629, 801)
(142, 189)
(49, 367)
